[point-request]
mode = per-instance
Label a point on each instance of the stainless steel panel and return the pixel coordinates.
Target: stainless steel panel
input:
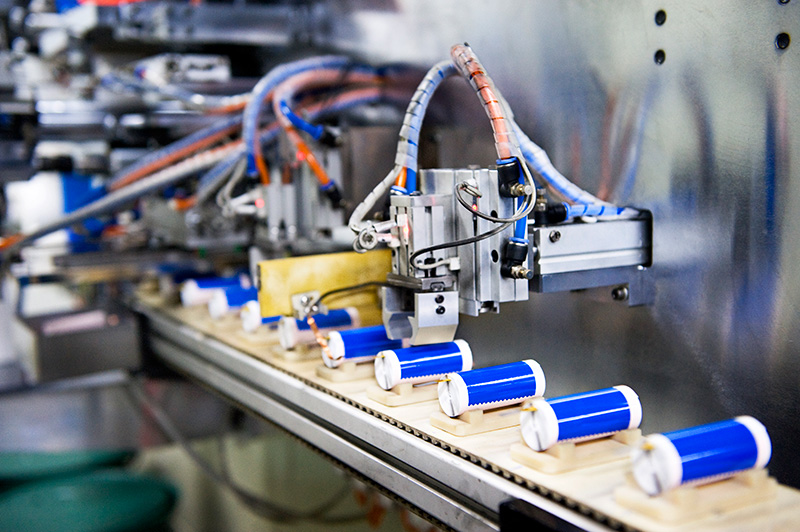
(705, 140)
(97, 413)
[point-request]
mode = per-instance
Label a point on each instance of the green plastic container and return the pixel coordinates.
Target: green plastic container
(101, 501)
(19, 467)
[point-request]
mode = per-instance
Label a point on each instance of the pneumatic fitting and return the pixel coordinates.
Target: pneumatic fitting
(330, 136)
(334, 194)
(515, 256)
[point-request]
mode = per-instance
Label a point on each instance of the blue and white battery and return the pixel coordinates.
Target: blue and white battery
(424, 363)
(252, 319)
(702, 454)
(230, 300)
(492, 387)
(579, 417)
(293, 332)
(200, 291)
(357, 345)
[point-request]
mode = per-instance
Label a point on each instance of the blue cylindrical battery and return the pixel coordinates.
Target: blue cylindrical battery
(293, 332)
(230, 299)
(252, 319)
(424, 363)
(357, 345)
(579, 417)
(200, 291)
(701, 454)
(492, 387)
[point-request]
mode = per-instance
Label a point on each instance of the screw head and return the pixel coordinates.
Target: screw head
(440, 310)
(782, 41)
(439, 299)
(555, 236)
(620, 293)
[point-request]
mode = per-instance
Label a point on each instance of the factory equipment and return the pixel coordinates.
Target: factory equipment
(463, 241)
(181, 163)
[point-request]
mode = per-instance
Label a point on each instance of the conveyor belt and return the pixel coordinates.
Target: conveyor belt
(461, 481)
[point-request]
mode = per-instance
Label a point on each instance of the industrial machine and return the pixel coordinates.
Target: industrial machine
(623, 217)
(462, 243)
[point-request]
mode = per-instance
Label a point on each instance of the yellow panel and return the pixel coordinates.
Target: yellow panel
(279, 279)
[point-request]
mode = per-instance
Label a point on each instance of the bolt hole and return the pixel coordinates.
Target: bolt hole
(782, 41)
(660, 57)
(495, 255)
(661, 17)
(783, 2)
(493, 213)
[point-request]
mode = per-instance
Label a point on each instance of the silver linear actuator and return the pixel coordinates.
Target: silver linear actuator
(443, 262)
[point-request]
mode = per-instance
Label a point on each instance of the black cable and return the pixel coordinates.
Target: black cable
(529, 205)
(354, 288)
(264, 508)
(463, 242)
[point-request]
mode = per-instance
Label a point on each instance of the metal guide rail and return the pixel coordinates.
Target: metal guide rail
(460, 481)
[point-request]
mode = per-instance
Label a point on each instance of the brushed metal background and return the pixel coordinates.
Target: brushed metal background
(705, 140)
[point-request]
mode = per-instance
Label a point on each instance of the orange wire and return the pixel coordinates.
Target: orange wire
(263, 169)
(318, 336)
(172, 157)
(400, 180)
(11, 240)
(224, 109)
(483, 86)
(114, 231)
(313, 79)
(308, 155)
(183, 204)
(312, 161)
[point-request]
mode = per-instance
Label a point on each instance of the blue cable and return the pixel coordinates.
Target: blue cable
(277, 75)
(577, 210)
(315, 131)
(521, 225)
(213, 177)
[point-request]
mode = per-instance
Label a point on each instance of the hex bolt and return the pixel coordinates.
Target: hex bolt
(555, 236)
(440, 310)
(620, 293)
(439, 299)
